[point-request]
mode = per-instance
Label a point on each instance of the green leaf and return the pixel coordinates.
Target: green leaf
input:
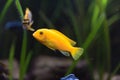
(19, 8)
(23, 54)
(11, 59)
(47, 21)
(6, 7)
(27, 61)
(113, 19)
(95, 16)
(104, 3)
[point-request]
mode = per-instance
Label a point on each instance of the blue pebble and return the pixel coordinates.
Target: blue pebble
(69, 77)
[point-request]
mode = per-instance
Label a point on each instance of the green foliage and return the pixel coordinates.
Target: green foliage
(98, 18)
(47, 21)
(24, 58)
(7, 5)
(11, 59)
(19, 8)
(4, 11)
(89, 25)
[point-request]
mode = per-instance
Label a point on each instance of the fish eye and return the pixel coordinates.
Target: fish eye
(41, 33)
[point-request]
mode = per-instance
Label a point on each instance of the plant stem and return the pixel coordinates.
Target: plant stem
(11, 59)
(23, 54)
(107, 41)
(47, 21)
(7, 5)
(19, 8)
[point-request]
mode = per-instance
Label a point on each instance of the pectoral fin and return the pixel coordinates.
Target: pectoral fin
(49, 45)
(65, 53)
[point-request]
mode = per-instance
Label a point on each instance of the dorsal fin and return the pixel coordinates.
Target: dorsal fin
(70, 40)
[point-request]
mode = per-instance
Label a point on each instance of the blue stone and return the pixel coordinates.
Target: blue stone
(69, 77)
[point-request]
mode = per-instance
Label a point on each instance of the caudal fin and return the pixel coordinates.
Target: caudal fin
(76, 53)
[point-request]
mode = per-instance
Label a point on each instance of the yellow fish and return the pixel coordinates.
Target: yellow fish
(56, 40)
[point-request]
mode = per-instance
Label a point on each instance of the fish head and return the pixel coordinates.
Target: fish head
(40, 35)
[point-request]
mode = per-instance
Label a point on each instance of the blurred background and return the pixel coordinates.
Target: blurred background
(93, 24)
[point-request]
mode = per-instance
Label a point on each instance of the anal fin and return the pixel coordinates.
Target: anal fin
(65, 53)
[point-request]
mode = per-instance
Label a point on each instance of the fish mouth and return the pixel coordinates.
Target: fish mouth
(34, 34)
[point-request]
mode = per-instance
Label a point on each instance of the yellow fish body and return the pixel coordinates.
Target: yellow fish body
(56, 40)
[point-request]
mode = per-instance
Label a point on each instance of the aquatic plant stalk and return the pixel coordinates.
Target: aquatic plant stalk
(74, 22)
(107, 42)
(113, 19)
(19, 8)
(24, 43)
(27, 61)
(23, 54)
(57, 11)
(4, 11)
(11, 59)
(88, 41)
(97, 21)
(23, 59)
(115, 71)
(6, 7)
(47, 21)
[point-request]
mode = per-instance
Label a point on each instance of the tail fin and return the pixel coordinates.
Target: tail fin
(76, 53)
